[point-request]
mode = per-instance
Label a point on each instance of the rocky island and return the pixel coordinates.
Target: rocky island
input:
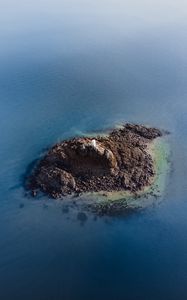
(118, 161)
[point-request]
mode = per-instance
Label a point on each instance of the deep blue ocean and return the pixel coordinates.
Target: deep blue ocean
(68, 67)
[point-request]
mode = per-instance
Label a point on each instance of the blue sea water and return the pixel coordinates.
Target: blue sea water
(69, 67)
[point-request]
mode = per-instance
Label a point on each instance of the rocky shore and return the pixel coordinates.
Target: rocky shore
(119, 161)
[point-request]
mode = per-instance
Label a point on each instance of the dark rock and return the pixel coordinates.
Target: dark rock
(82, 217)
(117, 162)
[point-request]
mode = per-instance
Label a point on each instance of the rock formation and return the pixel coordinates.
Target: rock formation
(119, 161)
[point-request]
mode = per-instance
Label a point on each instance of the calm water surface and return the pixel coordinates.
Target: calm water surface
(76, 66)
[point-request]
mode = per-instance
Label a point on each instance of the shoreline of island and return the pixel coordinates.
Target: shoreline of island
(120, 162)
(124, 202)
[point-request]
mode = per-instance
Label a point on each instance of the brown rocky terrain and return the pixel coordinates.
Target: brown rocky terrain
(116, 162)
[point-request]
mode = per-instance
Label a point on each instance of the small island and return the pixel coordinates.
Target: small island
(120, 160)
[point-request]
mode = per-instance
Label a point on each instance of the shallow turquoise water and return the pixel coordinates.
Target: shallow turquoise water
(71, 67)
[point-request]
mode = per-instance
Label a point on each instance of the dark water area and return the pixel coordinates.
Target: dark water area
(72, 67)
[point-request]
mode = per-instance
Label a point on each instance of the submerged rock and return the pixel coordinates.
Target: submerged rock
(119, 161)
